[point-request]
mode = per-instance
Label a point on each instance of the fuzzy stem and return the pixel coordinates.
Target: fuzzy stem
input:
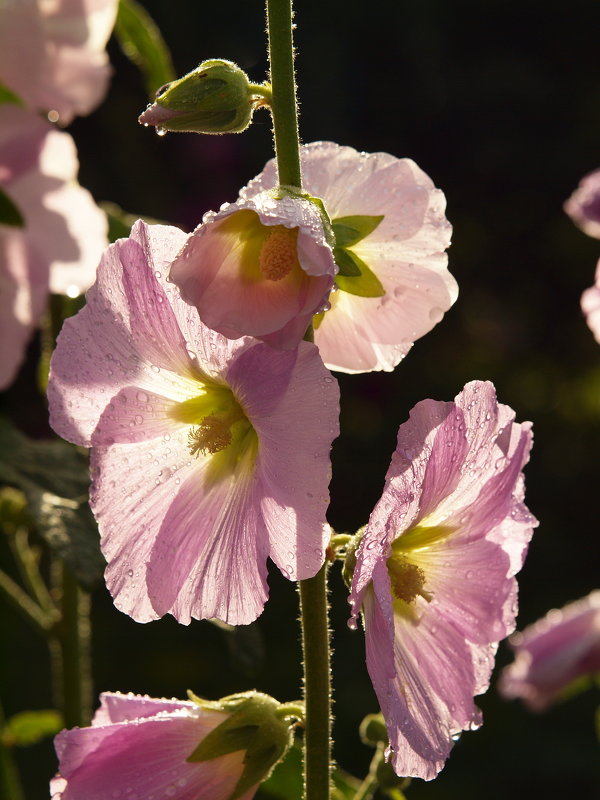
(369, 785)
(284, 107)
(314, 609)
(20, 600)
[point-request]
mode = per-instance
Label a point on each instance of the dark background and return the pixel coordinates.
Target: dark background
(499, 102)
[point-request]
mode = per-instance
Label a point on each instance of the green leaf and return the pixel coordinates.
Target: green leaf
(142, 43)
(54, 476)
(363, 284)
(351, 230)
(8, 96)
(286, 780)
(30, 727)
(9, 213)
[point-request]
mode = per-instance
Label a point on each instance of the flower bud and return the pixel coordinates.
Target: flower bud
(216, 97)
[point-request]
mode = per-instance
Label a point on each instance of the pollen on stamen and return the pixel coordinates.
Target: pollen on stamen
(211, 436)
(407, 579)
(278, 254)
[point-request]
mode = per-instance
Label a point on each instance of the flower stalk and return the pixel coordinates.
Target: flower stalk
(284, 106)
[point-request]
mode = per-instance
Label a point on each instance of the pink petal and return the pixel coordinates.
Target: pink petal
(584, 204)
(295, 425)
(64, 232)
(590, 305)
(146, 757)
(52, 54)
(118, 707)
(102, 356)
(553, 652)
(405, 251)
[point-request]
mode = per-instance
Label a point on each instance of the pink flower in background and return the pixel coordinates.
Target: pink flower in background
(52, 53)
(209, 455)
(138, 747)
(554, 652)
(391, 234)
(590, 305)
(435, 569)
(63, 235)
(260, 267)
(584, 205)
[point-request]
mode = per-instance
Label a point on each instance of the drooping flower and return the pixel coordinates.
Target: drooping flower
(584, 204)
(208, 454)
(553, 653)
(260, 267)
(144, 747)
(393, 285)
(52, 53)
(435, 569)
(58, 241)
(590, 305)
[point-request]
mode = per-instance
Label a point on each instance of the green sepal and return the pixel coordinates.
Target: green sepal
(351, 230)
(143, 44)
(252, 725)
(350, 560)
(8, 96)
(282, 191)
(9, 212)
(363, 284)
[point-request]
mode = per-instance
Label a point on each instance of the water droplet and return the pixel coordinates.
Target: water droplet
(435, 314)
(130, 573)
(161, 131)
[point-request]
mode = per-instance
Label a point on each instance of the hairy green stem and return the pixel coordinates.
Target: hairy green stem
(314, 609)
(284, 107)
(369, 785)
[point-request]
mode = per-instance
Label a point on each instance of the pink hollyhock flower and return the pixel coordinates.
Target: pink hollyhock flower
(554, 652)
(391, 234)
(260, 267)
(208, 455)
(435, 570)
(590, 305)
(137, 747)
(584, 205)
(52, 53)
(64, 232)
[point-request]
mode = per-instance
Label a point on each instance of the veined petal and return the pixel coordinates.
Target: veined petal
(119, 707)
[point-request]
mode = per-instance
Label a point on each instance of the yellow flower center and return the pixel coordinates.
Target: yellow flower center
(218, 429)
(279, 252)
(407, 579)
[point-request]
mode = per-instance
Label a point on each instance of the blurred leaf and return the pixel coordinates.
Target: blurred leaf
(54, 476)
(9, 213)
(354, 276)
(30, 727)
(142, 43)
(287, 780)
(120, 222)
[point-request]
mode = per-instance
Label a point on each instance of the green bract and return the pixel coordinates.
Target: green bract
(354, 275)
(253, 725)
